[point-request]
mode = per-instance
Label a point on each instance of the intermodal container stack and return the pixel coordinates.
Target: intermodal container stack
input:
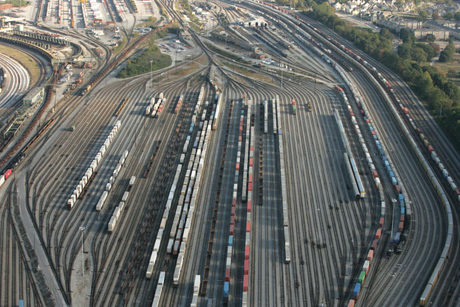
(250, 135)
(90, 171)
(179, 104)
(275, 114)
(159, 289)
(287, 241)
(111, 181)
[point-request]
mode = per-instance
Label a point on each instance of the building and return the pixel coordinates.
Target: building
(440, 35)
(35, 95)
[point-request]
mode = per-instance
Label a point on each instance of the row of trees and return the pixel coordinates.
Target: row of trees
(440, 95)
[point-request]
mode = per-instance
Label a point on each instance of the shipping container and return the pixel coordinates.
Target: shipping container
(362, 277)
(378, 234)
(397, 238)
(226, 289)
(374, 244)
(132, 180)
(125, 196)
(370, 255)
(366, 266)
(246, 252)
(356, 291)
(246, 283)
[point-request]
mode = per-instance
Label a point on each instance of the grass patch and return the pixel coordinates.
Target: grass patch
(189, 69)
(451, 69)
(17, 3)
(141, 64)
(121, 45)
(249, 73)
(24, 59)
(149, 22)
(226, 54)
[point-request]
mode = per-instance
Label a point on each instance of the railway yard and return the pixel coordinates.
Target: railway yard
(273, 165)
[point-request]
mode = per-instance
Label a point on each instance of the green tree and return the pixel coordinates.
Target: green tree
(448, 53)
(449, 16)
(406, 35)
(430, 38)
(435, 15)
(423, 15)
(418, 55)
(457, 16)
(428, 50)
(384, 32)
(405, 50)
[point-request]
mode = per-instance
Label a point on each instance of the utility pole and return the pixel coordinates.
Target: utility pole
(151, 85)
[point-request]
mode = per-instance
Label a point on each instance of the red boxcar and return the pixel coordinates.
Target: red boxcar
(378, 234)
(246, 252)
(374, 244)
(245, 282)
(7, 173)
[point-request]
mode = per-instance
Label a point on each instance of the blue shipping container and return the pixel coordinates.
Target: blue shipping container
(226, 287)
(397, 238)
(356, 291)
(394, 181)
(230, 241)
(403, 211)
(401, 197)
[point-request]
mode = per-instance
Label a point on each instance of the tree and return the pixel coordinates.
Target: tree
(423, 15)
(418, 55)
(436, 48)
(448, 53)
(457, 16)
(449, 16)
(428, 50)
(405, 50)
(430, 38)
(384, 32)
(435, 15)
(406, 35)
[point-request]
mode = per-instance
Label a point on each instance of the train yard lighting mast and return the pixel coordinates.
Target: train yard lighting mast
(82, 230)
(151, 85)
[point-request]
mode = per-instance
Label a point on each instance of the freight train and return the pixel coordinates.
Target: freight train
(2, 78)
